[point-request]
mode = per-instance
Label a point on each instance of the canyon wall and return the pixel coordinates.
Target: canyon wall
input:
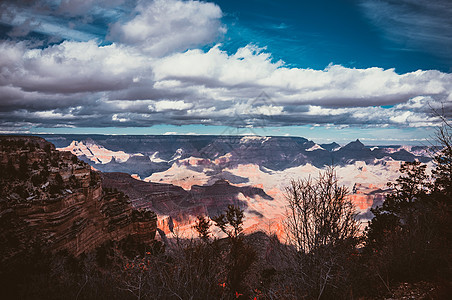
(53, 199)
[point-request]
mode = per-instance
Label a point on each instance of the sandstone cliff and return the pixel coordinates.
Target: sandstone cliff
(179, 208)
(53, 199)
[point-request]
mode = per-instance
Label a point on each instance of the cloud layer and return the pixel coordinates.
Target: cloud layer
(164, 26)
(152, 73)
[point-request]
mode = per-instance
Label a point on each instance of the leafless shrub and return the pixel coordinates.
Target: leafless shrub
(320, 213)
(323, 231)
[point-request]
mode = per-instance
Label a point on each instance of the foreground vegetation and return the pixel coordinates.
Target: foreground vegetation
(408, 241)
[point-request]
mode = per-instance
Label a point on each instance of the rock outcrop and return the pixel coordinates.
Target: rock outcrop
(168, 199)
(177, 207)
(54, 199)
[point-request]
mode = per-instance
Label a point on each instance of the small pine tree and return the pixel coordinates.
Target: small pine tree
(230, 223)
(202, 226)
(241, 255)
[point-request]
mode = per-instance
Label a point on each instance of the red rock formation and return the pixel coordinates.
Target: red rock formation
(178, 208)
(365, 197)
(57, 200)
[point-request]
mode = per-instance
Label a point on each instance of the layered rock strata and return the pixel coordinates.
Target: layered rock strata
(53, 199)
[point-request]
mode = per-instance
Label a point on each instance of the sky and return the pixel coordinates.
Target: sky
(332, 70)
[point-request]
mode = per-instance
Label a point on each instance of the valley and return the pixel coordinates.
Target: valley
(172, 174)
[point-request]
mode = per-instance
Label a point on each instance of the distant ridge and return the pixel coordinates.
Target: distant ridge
(147, 154)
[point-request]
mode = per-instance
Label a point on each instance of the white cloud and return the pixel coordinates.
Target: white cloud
(246, 66)
(268, 110)
(170, 105)
(147, 77)
(70, 67)
(118, 85)
(165, 26)
(335, 86)
(115, 117)
(51, 114)
(320, 111)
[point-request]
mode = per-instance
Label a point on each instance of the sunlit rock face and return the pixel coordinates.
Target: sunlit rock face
(366, 184)
(177, 207)
(95, 153)
(146, 155)
(58, 201)
(193, 163)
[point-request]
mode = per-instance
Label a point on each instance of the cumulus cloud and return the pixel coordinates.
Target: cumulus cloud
(70, 67)
(165, 26)
(170, 105)
(116, 117)
(250, 69)
(87, 84)
(143, 79)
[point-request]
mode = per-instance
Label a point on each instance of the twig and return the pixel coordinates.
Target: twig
(79, 291)
(384, 282)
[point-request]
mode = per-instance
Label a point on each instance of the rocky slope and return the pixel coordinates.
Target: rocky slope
(268, 163)
(179, 208)
(53, 199)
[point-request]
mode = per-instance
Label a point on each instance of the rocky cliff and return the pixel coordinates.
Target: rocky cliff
(178, 207)
(53, 199)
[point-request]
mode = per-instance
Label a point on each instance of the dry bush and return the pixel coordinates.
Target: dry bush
(323, 231)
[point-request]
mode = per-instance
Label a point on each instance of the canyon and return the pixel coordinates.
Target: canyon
(187, 167)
